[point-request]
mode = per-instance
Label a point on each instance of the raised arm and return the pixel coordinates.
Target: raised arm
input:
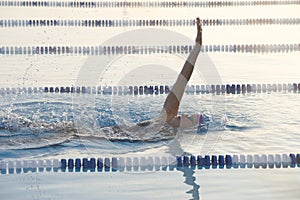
(171, 105)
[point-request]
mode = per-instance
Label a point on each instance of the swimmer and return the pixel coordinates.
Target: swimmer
(169, 120)
(170, 109)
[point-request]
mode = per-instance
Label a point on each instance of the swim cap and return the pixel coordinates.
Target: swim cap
(201, 119)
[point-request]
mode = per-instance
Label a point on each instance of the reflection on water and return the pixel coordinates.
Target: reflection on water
(191, 181)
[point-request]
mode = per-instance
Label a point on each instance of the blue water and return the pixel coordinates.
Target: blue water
(54, 125)
(61, 122)
(254, 124)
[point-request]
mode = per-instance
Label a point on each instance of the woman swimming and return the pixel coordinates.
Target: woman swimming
(166, 125)
(171, 105)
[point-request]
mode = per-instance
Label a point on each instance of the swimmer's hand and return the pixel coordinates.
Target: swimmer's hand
(199, 31)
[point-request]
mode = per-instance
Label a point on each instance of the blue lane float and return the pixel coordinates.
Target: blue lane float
(158, 89)
(126, 50)
(150, 163)
(101, 23)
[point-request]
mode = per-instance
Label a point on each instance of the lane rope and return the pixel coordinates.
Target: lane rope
(155, 49)
(151, 163)
(143, 4)
(14, 23)
(157, 89)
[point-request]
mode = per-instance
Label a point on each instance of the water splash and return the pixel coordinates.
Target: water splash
(45, 121)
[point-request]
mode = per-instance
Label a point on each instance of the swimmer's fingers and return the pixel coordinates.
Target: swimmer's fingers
(199, 24)
(199, 29)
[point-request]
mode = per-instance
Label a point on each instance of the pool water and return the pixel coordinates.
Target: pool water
(48, 124)
(249, 129)
(63, 125)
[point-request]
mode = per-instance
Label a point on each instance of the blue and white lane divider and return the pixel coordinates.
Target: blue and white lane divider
(151, 163)
(145, 50)
(145, 4)
(158, 89)
(107, 23)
